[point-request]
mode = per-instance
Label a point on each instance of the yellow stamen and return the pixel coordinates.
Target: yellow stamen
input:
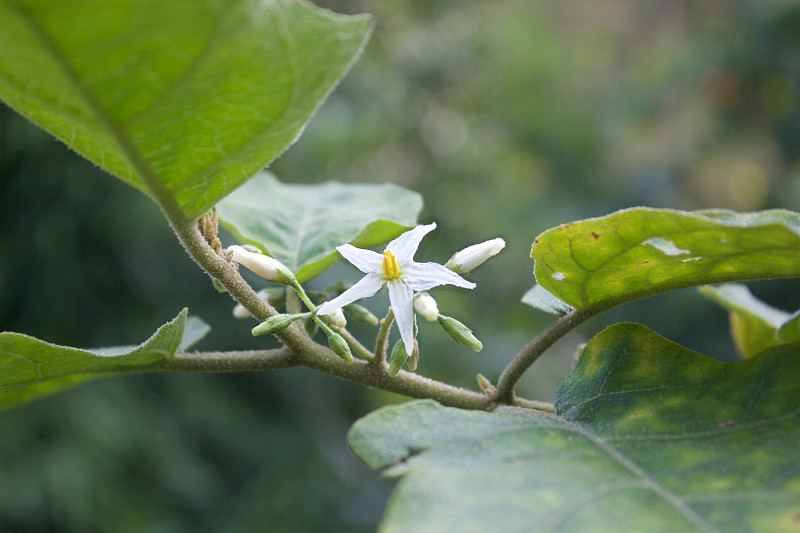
(390, 267)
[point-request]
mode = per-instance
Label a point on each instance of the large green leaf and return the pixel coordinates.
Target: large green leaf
(301, 225)
(194, 96)
(649, 436)
(601, 262)
(31, 368)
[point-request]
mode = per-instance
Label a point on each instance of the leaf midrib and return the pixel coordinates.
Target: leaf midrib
(150, 180)
(675, 501)
(647, 481)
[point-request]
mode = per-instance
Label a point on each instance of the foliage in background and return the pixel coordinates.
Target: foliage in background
(682, 111)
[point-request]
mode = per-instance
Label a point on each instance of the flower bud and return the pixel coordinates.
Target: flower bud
(335, 318)
(425, 306)
(487, 387)
(274, 297)
(311, 327)
(240, 311)
(339, 346)
(265, 266)
(274, 324)
(397, 358)
(460, 333)
(413, 359)
(361, 314)
(218, 286)
(471, 257)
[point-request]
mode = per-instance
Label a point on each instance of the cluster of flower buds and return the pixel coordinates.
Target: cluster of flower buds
(273, 270)
(407, 282)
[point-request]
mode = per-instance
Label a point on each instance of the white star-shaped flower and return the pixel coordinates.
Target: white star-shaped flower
(396, 269)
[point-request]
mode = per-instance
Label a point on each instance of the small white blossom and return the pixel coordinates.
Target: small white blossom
(425, 306)
(403, 276)
(471, 257)
(265, 266)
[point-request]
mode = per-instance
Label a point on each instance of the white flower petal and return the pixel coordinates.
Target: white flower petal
(401, 297)
(424, 276)
(366, 261)
(363, 288)
(405, 246)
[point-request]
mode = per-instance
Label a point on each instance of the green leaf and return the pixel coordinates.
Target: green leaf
(31, 368)
(195, 330)
(649, 436)
(188, 97)
(754, 324)
(602, 262)
(301, 225)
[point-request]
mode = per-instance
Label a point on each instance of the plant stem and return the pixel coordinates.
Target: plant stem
(356, 346)
(531, 352)
(240, 361)
(536, 405)
(361, 372)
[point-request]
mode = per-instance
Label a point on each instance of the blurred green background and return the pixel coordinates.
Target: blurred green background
(509, 117)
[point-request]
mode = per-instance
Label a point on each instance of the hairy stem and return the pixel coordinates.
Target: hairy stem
(240, 361)
(531, 352)
(320, 358)
(356, 346)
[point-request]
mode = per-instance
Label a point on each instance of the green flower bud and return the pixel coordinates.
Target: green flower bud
(413, 359)
(487, 387)
(218, 286)
(360, 313)
(339, 346)
(460, 333)
(397, 358)
(275, 323)
(311, 327)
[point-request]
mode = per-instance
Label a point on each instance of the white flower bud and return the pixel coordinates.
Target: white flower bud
(471, 257)
(240, 311)
(263, 265)
(335, 318)
(425, 306)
